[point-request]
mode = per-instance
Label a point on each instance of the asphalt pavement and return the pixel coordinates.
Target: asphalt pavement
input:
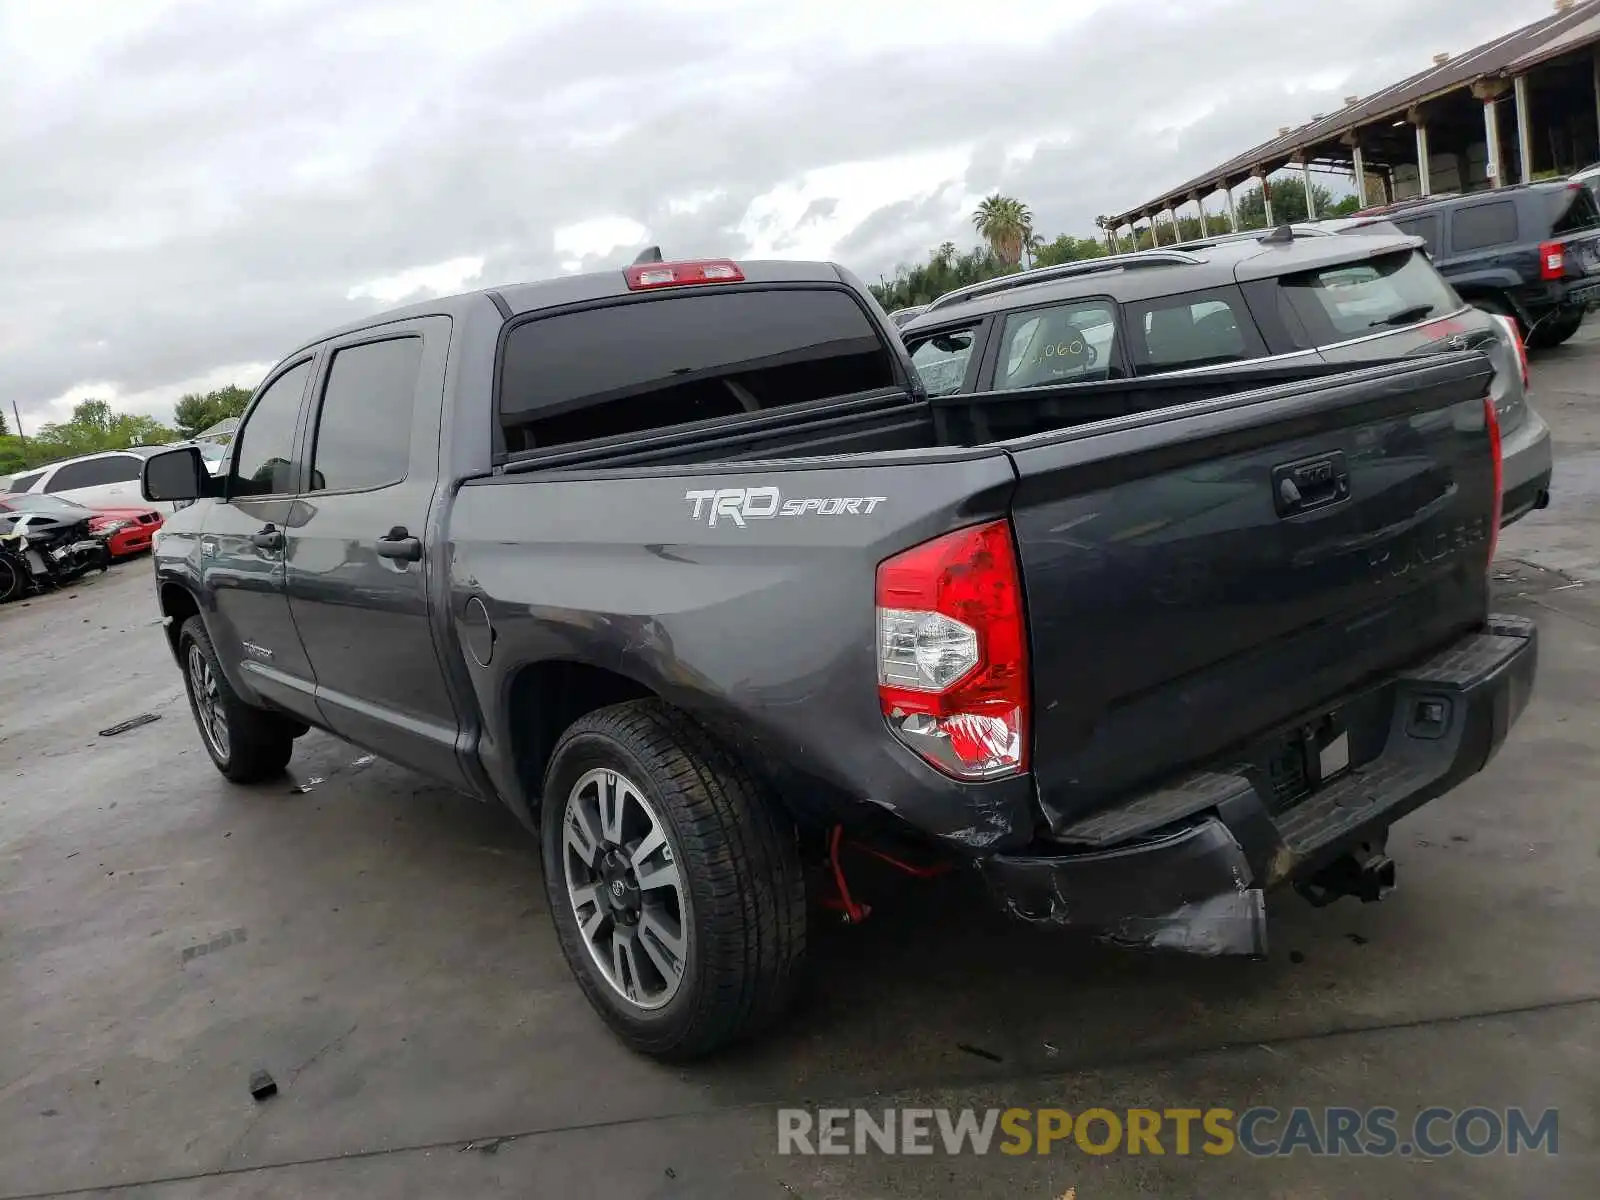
(381, 946)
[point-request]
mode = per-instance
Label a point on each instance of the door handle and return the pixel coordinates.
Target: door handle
(270, 537)
(399, 545)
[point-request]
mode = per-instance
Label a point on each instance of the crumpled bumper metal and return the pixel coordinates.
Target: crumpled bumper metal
(1191, 890)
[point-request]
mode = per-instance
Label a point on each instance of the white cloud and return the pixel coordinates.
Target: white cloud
(190, 184)
(773, 221)
(156, 402)
(436, 279)
(596, 236)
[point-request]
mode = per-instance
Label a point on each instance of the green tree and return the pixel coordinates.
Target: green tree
(1288, 203)
(1006, 224)
(95, 426)
(5, 430)
(946, 269)
(196, 412)
(1067, 248)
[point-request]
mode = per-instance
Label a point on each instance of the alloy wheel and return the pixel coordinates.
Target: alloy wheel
(213, 721)
(625, 888)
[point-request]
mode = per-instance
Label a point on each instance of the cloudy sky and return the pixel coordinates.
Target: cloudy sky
(188, 189)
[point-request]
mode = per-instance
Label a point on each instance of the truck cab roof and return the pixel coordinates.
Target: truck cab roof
(517, 299)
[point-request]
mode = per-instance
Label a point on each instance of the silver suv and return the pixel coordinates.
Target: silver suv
(1268, 300)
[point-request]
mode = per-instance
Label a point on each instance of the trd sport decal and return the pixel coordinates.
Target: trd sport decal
(743, 505)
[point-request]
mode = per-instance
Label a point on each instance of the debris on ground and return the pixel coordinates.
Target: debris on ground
(130, 723)
(1358, 939)
(1296, 957)
(262, 1085)
(306, 786)
(979, 1052)
(487, 1145)
(1051, 1049)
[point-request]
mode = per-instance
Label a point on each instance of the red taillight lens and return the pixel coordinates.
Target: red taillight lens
(953, 652)
(643, 276)
(1552, 260)
(1492, 419)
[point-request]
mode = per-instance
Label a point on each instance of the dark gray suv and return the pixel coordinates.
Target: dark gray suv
(1267, 299)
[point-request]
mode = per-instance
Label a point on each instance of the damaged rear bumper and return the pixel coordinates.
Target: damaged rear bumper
(1186, 867)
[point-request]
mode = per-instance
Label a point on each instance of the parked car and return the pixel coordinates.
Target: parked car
(696, 611)
(1262, 301)
(110, 478)
(127, 531)
(1530, 252)
(902, 315)
(1589, 177)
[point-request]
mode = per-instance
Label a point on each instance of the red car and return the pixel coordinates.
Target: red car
(131, 529)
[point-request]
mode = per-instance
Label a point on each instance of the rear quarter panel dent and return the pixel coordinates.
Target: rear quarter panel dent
(765, 630)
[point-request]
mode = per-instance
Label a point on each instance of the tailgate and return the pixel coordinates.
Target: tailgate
(1199, 575)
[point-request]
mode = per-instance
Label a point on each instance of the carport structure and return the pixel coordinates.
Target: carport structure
(1522, 106)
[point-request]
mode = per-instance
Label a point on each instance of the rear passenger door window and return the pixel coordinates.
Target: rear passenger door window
(1066, 343)
(263, 463)
(363, 434)
(96, 472)
(1478, 226)
(944, 360)
(1196, 329)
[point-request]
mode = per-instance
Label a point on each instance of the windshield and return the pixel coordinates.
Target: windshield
(53, 506)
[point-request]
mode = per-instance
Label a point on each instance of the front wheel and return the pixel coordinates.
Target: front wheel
(673, 881)
(246, 744)
(13, 577)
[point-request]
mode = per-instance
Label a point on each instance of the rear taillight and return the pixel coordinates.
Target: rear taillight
(1497, 454)
(643, 276)
(953, 652)
(1514, 335)
(1552, 260)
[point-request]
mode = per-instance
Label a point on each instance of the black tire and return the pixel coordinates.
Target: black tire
(13, 578)
(1555, 329)
(258, 744)
(738, 862)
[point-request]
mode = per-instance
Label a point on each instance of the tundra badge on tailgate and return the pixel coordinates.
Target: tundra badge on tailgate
(742, 505)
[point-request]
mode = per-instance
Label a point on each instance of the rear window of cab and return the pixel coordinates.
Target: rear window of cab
(681, 356)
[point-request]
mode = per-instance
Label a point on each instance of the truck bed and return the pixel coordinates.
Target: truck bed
(1176, 616)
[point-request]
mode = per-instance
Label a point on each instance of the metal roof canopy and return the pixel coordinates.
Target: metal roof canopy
(1511, 54)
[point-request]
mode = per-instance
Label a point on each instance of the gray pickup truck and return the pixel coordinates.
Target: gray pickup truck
(683, 564)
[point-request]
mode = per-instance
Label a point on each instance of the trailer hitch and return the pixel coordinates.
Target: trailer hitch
(1367, 874)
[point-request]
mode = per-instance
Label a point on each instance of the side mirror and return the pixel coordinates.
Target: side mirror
(176, 475)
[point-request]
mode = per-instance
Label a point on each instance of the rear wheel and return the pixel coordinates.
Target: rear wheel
(1499, 307)
(674, 883)
(246, 744)
(1555, 329)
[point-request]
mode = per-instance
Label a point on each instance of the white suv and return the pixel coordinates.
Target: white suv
(110, 479)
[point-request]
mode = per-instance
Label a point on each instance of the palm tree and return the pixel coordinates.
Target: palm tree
(1006, 224)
